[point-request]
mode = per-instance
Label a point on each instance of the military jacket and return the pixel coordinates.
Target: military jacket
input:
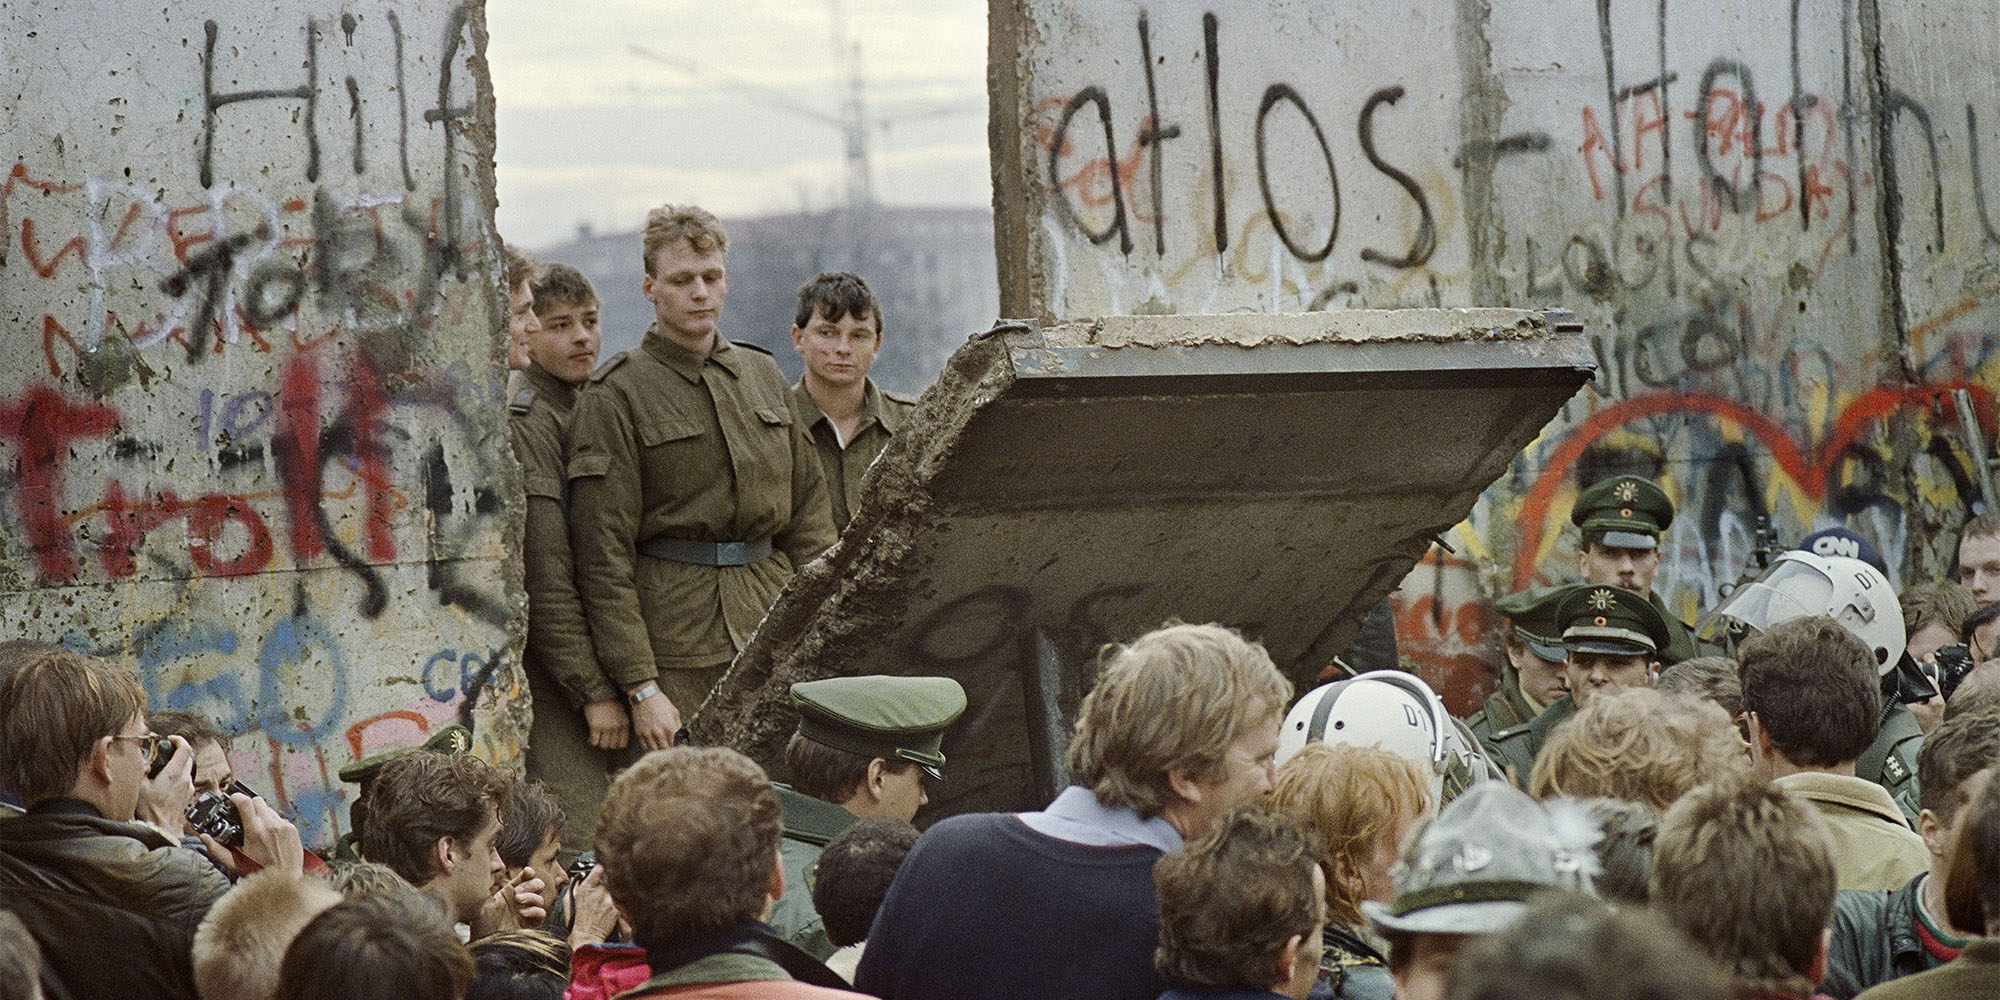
(1505, 708)
(1518, 747)
(558, 644)
(882, 416)
(665, 443)
(1892, 760)
(1681, 644)
(810, 825)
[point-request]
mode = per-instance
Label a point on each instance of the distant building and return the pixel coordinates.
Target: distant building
(932, 269)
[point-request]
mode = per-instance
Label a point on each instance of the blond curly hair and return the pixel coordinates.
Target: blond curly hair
(1639, 745)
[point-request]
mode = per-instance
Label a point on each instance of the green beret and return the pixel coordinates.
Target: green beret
(450, 739)
(1532, 613)
(1625, 512)
(895, 718)
(1603, 619)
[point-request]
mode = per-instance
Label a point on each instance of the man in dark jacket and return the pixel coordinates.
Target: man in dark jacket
(1888, 934)
(113, 903)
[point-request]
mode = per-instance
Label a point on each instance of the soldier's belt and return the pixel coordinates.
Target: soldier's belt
(681, 550)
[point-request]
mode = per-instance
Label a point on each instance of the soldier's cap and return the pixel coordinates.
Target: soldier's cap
(1606, 619)
(895, 718)
(1842, 542)
(450, 739)
(1623, 512)
(1472, 870)
(1532, 614)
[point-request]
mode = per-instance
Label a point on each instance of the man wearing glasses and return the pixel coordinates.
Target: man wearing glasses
(112, 899)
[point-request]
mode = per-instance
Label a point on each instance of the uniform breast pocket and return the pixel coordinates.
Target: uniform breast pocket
(655, 433)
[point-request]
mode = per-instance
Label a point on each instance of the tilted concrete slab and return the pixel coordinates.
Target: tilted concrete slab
(1062, 488)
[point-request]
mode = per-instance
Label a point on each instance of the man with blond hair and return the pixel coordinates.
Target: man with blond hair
(242, 941)
(1181, 729)
(1638, 745)
(1741, 867)
(694, 494)
(689, 843)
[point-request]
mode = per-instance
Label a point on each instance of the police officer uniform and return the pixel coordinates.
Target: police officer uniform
(894, 718)
(693, 497)
(882, 415)
(1531, 614)
(563, 673)
(1595, 619)
(1632, 512)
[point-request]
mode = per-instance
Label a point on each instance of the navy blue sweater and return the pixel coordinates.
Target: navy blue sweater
(985, 907)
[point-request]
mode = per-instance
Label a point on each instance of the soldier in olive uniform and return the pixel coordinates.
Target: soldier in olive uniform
(1622, 519)
(580, 723)
(694, 494)
(1613, 639)
(863, 748)
(1533, 677)
(837, 330)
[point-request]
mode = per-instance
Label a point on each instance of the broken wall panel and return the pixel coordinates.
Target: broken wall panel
(1776, 221)
(1070, 486)
(251, 408)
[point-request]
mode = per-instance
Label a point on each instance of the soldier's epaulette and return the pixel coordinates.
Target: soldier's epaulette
(1513, 731)
(613, 362)
(1895, 770)
(759, 348)
(523, 401)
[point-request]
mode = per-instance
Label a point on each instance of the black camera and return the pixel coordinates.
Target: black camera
(163, 751)
(580, 868)
(1953, 663)
(212, 813)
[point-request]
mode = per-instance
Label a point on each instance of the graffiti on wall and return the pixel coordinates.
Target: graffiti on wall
(251, 423)
(1774, 222)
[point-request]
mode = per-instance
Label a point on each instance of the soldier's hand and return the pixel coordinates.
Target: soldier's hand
(655, 721)
(610, 728)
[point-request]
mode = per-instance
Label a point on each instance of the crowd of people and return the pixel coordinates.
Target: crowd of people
(1797, 799)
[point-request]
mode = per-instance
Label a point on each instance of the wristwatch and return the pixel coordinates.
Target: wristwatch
(647, 690)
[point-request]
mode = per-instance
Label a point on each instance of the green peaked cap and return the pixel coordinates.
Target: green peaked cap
(450, 739)
(895, 718)
(1626, 512)
(1606, 619)
(1533, 616)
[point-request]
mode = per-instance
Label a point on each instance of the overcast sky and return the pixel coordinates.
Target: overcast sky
(592, 133)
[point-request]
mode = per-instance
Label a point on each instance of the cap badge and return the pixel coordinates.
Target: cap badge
(1626, 492)
(1473, 857)
(1602, 600)
(1624, 512)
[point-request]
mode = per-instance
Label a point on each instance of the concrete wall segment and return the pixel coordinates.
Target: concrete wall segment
(255, 445)
(1775, 220)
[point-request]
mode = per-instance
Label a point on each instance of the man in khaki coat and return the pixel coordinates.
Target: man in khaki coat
(1813, 704)
(580, 723)
(838, 330)
(694, 494)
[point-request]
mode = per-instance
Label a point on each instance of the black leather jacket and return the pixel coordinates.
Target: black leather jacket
(114, 905)
(1874, 939)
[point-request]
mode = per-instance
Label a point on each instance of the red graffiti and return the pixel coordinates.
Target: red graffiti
(297, 446)
(42, 426)
(208, 519)
(1809, 472)
(366, 408)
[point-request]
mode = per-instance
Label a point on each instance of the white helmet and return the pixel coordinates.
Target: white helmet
(1800, 583)
(1398, 712)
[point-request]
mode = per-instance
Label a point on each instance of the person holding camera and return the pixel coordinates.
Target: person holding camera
(111, 897)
